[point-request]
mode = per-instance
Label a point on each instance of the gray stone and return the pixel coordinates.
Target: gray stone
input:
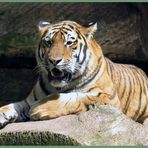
(101, 125)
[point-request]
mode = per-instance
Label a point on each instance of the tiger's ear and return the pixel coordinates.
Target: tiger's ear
(90, 29)
(42, 26)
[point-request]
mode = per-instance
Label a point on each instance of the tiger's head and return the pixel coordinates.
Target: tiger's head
(63, 53)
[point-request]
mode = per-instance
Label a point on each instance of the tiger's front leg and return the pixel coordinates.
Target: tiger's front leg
(13, 112)
(71, 103)
(57, 105)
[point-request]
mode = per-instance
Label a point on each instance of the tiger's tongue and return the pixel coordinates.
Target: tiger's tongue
(57, 73)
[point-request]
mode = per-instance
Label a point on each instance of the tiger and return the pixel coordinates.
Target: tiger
(73, 74)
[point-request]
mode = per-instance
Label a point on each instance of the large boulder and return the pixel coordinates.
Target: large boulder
(101, 125)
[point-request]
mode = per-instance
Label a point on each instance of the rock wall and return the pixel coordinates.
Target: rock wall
(122, 27)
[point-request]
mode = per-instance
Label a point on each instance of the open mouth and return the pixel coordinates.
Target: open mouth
(57, 74)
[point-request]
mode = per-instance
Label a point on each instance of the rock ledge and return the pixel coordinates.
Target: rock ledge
(101, 125)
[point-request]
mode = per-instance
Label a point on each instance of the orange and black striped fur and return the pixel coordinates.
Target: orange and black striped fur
(73, 74)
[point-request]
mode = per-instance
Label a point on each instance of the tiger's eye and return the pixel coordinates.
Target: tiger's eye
(69, 42)
(48, 43)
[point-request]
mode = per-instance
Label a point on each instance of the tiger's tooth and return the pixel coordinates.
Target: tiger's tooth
(62, 75)
(52, 74)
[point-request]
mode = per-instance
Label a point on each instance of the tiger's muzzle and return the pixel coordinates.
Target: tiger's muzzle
(59, 75)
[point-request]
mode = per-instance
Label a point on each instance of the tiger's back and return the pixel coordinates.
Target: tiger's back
(132, 87)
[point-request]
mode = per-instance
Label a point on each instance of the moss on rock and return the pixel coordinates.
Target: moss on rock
(35, 138)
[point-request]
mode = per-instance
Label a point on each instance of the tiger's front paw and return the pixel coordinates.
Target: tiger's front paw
(48, 110)
(7, 115)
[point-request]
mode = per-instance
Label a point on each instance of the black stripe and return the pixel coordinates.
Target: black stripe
(111, 69)
(99, 93)
(108, 67)
(90, 78)
(133, 76)
(143, 77)
(71, 27)
(139, 105)
(145, 92)
(79, 37)
(84, 53)
(125, 83)
(66, 28)
(85, 71)
(42, 85)
(91, 89)
(74, 48)
(24, 116)
(84, 48)
(34, 95)
(143, 112)
(78, 57)
(119, 71)
(140, 98)
(27, 104)
(55, 28)
(64, 32)
(129, 93)
(39, 48)
(68, 90)
(44, 34)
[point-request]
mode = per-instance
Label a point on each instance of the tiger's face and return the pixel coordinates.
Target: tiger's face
(63, 52)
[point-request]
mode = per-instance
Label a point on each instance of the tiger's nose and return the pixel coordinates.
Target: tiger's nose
(55, 61)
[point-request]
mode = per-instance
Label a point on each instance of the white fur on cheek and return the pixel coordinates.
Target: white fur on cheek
(73, 64)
